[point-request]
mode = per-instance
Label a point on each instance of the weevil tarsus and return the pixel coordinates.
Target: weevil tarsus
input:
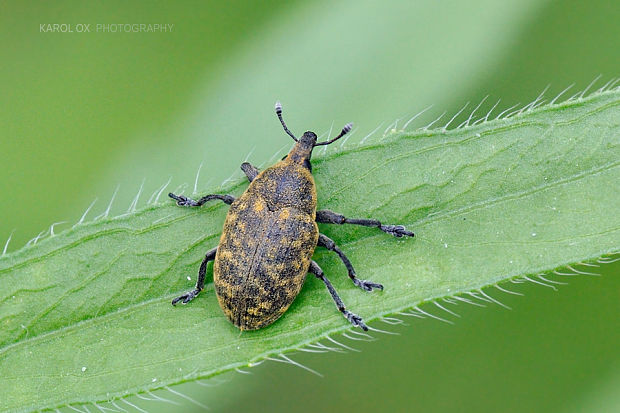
(200, 283)
(353, 318)
(182, 200)
(329, 244)
(326, 216)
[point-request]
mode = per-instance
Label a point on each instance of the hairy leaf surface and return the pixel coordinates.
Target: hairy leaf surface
(85, 315)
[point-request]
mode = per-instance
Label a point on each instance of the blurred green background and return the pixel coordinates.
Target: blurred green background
(85, 112)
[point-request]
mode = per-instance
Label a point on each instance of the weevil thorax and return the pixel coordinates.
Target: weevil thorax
(289, 183)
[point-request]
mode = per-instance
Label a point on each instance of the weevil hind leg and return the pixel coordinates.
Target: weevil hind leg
(200, 284)
(326, 216)
(249, 170)
(365, 285)
(182, 200)
(353, 318)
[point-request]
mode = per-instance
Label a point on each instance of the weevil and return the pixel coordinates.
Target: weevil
(269, 236)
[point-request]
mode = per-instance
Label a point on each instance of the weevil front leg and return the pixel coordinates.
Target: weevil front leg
(353, 318)
(200, 284)
(328, 243)
(328, 217)
(182, 200)
(249, 170)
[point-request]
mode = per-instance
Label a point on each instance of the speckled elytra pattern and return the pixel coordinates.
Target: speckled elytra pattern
(266, 246)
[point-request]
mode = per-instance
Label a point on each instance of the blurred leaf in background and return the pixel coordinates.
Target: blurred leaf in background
(84, 112)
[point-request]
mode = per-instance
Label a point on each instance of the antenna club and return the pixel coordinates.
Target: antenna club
(278, 107)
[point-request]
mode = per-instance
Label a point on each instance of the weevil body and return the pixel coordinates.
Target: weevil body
(269, 236)
(266, 246)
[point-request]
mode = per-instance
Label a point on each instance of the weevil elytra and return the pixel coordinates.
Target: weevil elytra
(268, 239)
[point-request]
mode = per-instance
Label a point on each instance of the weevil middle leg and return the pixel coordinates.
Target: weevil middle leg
(353, 318)
(200, 284)
(326, 216)
(328, 243)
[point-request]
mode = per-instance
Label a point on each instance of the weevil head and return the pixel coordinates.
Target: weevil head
(302, 151)
(309, 138)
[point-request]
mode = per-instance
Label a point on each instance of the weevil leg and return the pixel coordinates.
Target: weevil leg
(326, 216)
(328, 243)
(249, 170)
(182, 200)
(190, 295)
(353, 318)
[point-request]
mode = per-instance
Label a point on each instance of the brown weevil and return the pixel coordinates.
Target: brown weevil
(268, 239)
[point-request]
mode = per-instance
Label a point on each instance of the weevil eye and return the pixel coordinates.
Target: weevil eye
(307, 164)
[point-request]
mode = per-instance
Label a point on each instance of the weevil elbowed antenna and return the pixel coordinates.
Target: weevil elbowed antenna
(279, 113)
(347, 128)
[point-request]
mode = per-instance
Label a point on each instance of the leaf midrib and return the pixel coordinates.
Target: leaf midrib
(433, 217)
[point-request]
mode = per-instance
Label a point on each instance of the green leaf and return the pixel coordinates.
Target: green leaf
(86, 314)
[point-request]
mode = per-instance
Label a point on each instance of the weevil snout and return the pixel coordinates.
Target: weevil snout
(302, 151)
